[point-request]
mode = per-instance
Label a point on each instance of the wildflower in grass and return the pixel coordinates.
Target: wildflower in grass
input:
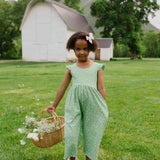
(22, 142)
(20, 85)
(21, 130)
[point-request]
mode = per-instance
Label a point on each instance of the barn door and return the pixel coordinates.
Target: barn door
(43, 52)
(97, 54)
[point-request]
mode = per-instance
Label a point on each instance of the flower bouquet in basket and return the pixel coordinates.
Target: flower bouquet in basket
(44, 133)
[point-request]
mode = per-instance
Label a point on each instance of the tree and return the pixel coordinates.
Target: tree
(151, 41)
(18, 10)
(7, 30)
(122, 20)
(74, 4)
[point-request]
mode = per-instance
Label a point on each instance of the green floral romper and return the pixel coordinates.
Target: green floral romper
(84, 107)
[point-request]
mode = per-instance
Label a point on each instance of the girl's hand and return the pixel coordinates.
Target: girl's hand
(51, 109)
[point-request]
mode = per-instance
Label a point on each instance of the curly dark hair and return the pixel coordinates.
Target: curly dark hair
(81, 35)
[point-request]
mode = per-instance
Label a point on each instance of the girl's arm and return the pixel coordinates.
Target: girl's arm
(61, 91)
(100, 84)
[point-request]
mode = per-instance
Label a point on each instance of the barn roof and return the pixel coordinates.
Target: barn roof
(73, 19)
(104, 42)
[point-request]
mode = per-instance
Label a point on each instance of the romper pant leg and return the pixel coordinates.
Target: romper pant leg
(72, 131)
(94, 122)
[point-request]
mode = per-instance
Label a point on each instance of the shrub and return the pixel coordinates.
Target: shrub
(121, 50)
(151, 42)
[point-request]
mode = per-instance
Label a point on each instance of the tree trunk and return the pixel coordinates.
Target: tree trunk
(134, 55)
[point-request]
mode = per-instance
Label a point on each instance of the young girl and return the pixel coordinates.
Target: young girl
(86, 101)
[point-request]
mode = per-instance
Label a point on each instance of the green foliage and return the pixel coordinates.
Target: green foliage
(16, 51)
(10, 20)
(149, 46)
(122, 20)
(120, 50)
(7, 30)
(151, 41)
(18, 47)
(18, 10)
(74, 4)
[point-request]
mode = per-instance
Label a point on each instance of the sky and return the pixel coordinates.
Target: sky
(156, 20)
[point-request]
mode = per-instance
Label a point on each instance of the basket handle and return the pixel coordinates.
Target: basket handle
(41, 113)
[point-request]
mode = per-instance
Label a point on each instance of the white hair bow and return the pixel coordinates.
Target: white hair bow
(90, 37)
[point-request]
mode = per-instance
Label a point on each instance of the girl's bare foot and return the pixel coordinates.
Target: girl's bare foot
(87, 158)
(72, 158)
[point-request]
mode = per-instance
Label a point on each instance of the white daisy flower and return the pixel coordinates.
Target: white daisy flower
(21, 130)
(22, 142)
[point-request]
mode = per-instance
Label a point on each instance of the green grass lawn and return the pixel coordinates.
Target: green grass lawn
(133, 98)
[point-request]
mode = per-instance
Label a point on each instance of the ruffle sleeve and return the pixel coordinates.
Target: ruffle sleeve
(100, 65)
(69, 67)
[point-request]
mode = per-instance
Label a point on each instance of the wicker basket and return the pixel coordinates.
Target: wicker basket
(55, 136)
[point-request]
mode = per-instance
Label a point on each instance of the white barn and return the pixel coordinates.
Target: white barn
(45, 29)
(105, 51)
